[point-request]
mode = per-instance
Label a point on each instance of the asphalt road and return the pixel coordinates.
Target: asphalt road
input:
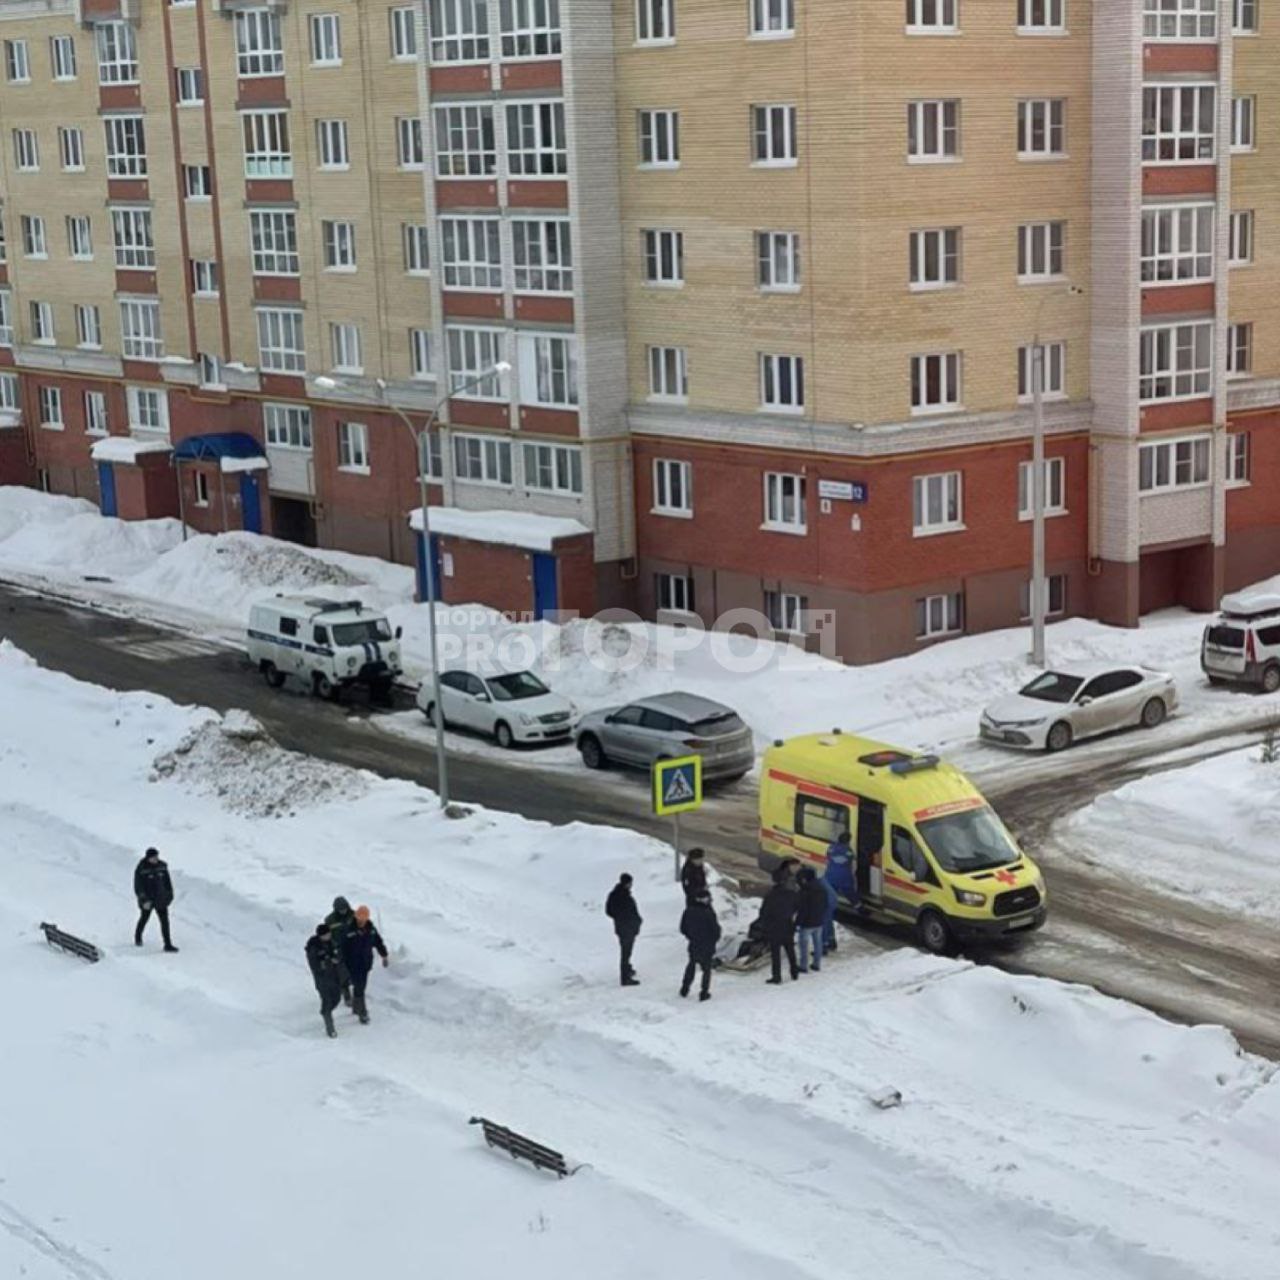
(1188, 962)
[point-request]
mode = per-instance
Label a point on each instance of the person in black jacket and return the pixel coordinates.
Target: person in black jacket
(341, 920)
(154, 891)
(778, 920)
(700, 926)
(621, 908)
(811, 915)
(357, 948)
(325, 965)
(693, 875)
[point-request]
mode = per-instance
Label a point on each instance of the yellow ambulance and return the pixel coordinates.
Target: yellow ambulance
(929, 851)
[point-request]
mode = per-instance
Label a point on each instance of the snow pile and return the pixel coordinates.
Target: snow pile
(236, 760)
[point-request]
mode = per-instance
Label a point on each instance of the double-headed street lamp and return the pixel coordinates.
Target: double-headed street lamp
(422, 450)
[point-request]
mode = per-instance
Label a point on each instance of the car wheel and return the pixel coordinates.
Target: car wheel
(1154, 713)
(592, 753)
(1059, 737)
(430, 712)
(933, 934)
(1271, 679)
(323, 687)
(503, 735)
(273, 675)
(1217, 681)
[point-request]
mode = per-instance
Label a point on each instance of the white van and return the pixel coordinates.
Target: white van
(1243, 645)
(328, 643)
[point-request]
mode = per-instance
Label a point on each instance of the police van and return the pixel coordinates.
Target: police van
(329, 644)
(930, 851)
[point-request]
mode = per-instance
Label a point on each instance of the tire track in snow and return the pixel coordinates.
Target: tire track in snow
(66, 1256)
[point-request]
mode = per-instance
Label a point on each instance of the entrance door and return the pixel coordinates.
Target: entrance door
(870, 849)
(250, 503)
(107, 489)
(545, 588)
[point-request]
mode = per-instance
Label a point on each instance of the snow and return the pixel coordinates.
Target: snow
(161, 1107)
(506, 528)
(232, 466)
(126, 449)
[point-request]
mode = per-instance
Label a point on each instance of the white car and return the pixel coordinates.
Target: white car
(1059, 707)
(510, 706)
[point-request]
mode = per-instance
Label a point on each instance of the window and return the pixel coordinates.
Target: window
(1041, 247)
(197, 181)
(934, 261)
(1243, 115)
(71, 149)
(4, 243)
(553, 468)
(466, 146)
(1055, 488)
(1240, 239)
(339, 245)
(1175, 361)
(34, 242)
(331, 144)
(200, 480)
(773, 18)
(1245, 18)
(1178, 123)
(189, 83)
(482, 459)
(416, 237)
(663, 257)
(778, 261)
(62, 57)
(1042, 17)
(471, 253)
(672, 487)
(95, 413)
(1055, 605)
(1174, 464)
(931, 16)
(784, 502)
(668, 374)
(9, 398)
(80, 237)
(1180, 19)
(1239, 451)
(536, 145)
(530, 28)
(659, 134)
(6, 319)
(126, 147)
(281, 346)
(543, 255)
(786, 612)
(935, 382)
(326, 40)
(353, 447)
(345, 348)
(782, 383)
(933, 131)
(17, 62)
(404, 34)
(820, 820)
(421, 361)
(266, 144)
(430, 455)
(204, 277)
(773, 135)
(259, 50)
(1053, 372)
(273, 238)
(210, 371)
(939, 616)
(459, 31)
(140, 334)
(117, 53)
(655, 21)
(1042, 128)
(88, 326)
(50, 399)
(131, 234)
(148, 409)
(1177, 243)
(287, 426)
(472, 353)
(548, 370)
(42, 330)
(1239, 350)
(936, 503)
(26, 151)
(673, 592)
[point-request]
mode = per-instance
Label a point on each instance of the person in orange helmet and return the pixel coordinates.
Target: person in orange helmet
(358, 946)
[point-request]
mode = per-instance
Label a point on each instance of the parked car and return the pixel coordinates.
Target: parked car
(1243, 645)
(666, 727)
(510, 706)
(1059, 707)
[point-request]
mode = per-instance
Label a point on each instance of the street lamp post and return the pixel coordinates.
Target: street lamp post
(421, 445)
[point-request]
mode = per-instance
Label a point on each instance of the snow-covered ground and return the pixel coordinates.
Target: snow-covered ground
(184, 1114)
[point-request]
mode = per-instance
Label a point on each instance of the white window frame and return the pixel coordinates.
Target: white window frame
(537, 141)
(1055, 371)
(35, 237)
(662, 252)
(786, 612)
(141, 335)
(470, 350)
(483, 459)
(117, 48)
(1055, 587)
(948, 368)
(933, 17)
(80, 237)
(211, 371)
(774, 136)
(1180, 21)
(933, 259)
(188, 85)
(43, 330)
(1042, 252)
(542, 255)
(466, 141)
(1042, 129)
(1240, 238)
(658, 137)
(10, 398)
(17, 62)
(939, 616)
(1244, 123)
(200, 485)
(771, 19)
(1042, 17)
(287, 426)
(281, 339)
(673, 593)
(655, 22)
(1166, 142)
(933, 131)
(26, 151)
(422, 363)
(62, 58)
(668, 374)
(6, 318)
(259, 43)
(1055, 488)
(147, 409)
(552, 468)
(49, 407)
(88, 326)
(1181, 463)
(1240, 349)
(71, 148)
(339, 242)
(96, 422)
(1179, 355)
(548, 369)
(1239, 459)
(785, 503)
(415, 240)
(126, 139)
(333, 147)
(353, 448)
(471, 254)
(937, 503)
(133, 238)
(404, 33)
(672, 488)
(782, 387)
(459, 31)
(346, 347)
(1244, 18)
(204, 278)
(1177, 244)
(778, 266)
(530, 29)
(325, 34)
(193, 190)
(273, 242)
(268, 149)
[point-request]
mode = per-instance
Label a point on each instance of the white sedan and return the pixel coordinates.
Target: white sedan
(1060, 707)
(511, 706)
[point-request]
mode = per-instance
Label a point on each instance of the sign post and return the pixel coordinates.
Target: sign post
(677, 789)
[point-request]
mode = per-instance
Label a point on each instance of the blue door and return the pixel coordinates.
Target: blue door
(438, 580)
(107, 489)
(250, 504)
(546, 595)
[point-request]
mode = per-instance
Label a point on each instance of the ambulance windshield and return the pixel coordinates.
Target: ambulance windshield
(972, 840)
(363, 632)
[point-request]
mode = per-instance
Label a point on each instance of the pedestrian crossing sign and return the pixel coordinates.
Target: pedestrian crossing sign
(677, 785)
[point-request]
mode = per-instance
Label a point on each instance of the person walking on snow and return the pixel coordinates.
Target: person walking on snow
(778, 921)
(326, 973)
(700, 926)
(811, 911)
(842, 875)
(621, 908)
(693, 875)
(358, 947)
(154, 891)
(829, 916)
(341, 920)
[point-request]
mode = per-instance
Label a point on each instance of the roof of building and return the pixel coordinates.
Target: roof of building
(524, 529)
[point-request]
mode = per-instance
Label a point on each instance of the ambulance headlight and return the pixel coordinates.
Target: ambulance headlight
(966, 898)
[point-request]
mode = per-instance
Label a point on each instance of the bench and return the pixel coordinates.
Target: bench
(519, 1147)
(55, 937)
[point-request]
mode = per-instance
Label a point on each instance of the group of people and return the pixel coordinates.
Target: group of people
(340, 956)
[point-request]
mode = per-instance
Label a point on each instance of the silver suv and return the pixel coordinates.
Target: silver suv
(1243, 645)
(665, 727)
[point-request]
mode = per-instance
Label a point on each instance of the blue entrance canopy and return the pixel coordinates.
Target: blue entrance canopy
(220, 444)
